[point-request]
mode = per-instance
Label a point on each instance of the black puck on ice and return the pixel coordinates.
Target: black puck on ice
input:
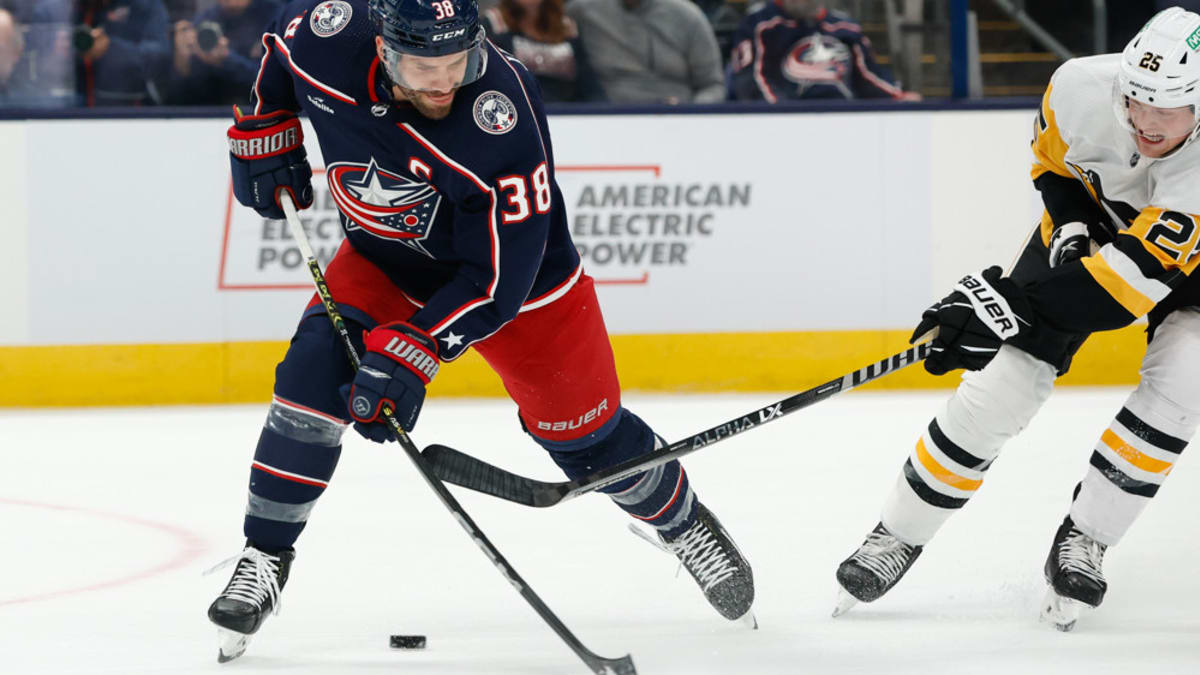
(407, 642)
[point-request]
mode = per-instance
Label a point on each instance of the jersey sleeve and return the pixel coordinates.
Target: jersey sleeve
(1125, 279)
(1049, 146)
(502, 221)
(273, 88)
(871, 80)
(743, 58)
(1066, 198)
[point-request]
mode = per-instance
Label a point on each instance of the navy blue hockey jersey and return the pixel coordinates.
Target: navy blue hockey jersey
(776, 57)
(463, 214)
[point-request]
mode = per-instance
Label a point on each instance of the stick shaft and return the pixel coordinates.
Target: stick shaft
(596, 663)
(464, 470)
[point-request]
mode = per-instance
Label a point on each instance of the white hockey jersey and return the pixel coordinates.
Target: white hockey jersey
(1153, 204)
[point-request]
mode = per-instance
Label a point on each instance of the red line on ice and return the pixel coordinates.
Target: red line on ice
(189, 547)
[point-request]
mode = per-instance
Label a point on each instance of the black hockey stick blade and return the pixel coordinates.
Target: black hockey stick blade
(466, 471)
(463, 470)
(621, 666)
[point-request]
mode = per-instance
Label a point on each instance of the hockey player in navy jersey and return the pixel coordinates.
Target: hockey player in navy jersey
(798, 49)
(438, 156)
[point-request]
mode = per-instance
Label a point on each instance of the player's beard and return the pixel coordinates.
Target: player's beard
(425, 105)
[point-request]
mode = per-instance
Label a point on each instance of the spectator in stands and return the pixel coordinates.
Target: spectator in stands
(178, 10)
(547, 41)
(12, 65)
(120, 46)
(217, 55)
(798, 49)
(29, 78)
(650, 51)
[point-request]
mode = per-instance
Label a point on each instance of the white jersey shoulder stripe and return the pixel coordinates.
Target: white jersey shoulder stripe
(341, 96)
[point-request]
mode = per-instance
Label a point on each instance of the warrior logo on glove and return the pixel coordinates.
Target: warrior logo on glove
(401, 360)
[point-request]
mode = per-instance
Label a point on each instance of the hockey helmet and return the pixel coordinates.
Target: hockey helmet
(1160, 67)
(430, 28)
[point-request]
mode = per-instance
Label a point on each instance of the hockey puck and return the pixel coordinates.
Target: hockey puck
(407, 642)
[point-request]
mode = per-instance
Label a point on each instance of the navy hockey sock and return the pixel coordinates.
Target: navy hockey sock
(661, 497)
(297, 453)
(301, 440)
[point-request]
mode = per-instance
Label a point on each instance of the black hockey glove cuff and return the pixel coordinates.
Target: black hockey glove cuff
(972, 322)
(1069, 242)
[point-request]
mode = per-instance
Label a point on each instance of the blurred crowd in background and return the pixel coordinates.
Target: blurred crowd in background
(70, 53)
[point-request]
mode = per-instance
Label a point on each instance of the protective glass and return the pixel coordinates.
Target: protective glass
(436, 74)
(1170, 123)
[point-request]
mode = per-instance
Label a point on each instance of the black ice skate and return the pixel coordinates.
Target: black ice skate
(708, 553)
(873, 569)
(1074, 574)
(251, 594)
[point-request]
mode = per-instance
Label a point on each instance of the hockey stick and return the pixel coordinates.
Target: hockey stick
(597, 664)
(466, 471)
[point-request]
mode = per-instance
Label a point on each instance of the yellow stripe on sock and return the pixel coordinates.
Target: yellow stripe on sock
(1133, 455)
(942, 473)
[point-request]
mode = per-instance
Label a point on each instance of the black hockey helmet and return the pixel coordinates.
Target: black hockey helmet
(430, 28)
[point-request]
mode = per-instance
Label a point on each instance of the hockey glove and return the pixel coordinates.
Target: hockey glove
(400, 360)
(972, 322)
(267, 157)
(1069, 242)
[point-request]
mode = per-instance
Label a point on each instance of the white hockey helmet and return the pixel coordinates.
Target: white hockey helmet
(1161, 66)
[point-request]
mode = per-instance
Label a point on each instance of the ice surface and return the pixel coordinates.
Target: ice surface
(109, 516)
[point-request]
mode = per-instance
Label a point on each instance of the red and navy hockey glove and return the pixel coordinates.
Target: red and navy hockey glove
(267, 157)
(983, 311)
(400, 360)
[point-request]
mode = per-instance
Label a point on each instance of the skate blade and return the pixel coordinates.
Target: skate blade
(231, 644)
(1060, 612)
(748, 620)
(845, 601)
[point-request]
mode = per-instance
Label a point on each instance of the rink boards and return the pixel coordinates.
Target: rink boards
(732, 252)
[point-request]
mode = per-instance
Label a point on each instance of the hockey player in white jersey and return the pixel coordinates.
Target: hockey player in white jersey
(1118, 240)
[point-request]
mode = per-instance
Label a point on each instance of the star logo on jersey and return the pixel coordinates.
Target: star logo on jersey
(382, 203)
(818, 59)
(452, 340)
(329, 18)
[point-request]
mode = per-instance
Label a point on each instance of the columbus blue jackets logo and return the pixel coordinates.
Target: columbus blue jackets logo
(495, 113)
(329, 18)
(382, 203)
(819, 59)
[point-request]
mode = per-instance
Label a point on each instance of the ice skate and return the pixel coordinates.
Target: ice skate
(873, 569)
(1073, 570)
(708, 553)
(251, 594)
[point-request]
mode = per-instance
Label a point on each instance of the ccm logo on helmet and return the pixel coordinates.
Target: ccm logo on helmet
(441, 37)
